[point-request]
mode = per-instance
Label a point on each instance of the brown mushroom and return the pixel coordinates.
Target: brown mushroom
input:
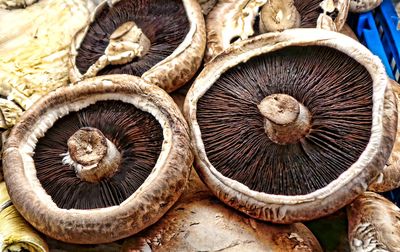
(359, 6)
(98, 161)
(326, 150)
(161, 41)
(373, 224)
(199, 222)
(346, 30)
(232, 21)
(389, 179)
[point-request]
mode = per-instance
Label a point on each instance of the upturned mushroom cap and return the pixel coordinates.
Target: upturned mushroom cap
(199, 222)
(145, 127)
(373, 224)
(389, 179)
(232, 21)
(245, 168)
(359, 6)
(169, 54)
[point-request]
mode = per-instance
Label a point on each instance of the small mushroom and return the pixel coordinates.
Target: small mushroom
(199, 222)
(161, 41)
(389, 179)
(373, 224)
(290, 126)
(34, 47)
(359, 6)
(234, 21)
(98, 161)
(16, 234)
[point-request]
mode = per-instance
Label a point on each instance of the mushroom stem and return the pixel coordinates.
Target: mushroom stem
(93, 156)
(279, 15)
(126, 43)
(286, 120)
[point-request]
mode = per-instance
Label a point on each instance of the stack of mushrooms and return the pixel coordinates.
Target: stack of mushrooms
(288, 121)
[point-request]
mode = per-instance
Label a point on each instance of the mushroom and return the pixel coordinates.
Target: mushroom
(290, 126)
(16, 234)
(34, 49)
(98, 161)
(199, 222)
(346, 30)
(161, 41)
(359, 6)
(233, 21)
(207, 5)
(389, 179)
(373, 224)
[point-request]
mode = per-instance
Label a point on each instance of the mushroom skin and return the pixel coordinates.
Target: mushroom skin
(339, 192)
(389, 179)
(199, 222)
(144, 207)
(373, 224)
(13, 4)
(359, 6)
(170, 73)
(346, 30)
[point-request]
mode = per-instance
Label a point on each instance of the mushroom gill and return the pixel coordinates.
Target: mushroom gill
(240, 145)
(135, 134)
(164, 23)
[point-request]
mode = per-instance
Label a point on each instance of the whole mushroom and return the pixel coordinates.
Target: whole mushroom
(290, 126)
(98, 161)
(161, 41)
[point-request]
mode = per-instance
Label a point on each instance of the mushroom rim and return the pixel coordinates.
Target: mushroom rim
(174, 159)
(196, 37)
(266, 43)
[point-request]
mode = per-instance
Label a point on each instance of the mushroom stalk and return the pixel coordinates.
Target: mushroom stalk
(126, 43)
(286, 120)
(278, 15)
(92, 155)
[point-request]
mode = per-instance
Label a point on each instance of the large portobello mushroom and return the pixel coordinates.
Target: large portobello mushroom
(290, 126)
(161, 41)
(98, 161)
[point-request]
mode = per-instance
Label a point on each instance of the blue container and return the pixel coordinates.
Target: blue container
(377, 30)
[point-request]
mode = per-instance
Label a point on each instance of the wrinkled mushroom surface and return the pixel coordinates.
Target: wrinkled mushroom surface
(373, 224)
(231, 21)
(284, 169)
(389, 179)
(98, 161)
(161, 41)
(200, 222)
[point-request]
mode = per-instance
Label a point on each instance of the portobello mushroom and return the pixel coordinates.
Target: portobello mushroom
(98, 161)
(290, 126)
(161, 41)
(230, 21)
(373, 224)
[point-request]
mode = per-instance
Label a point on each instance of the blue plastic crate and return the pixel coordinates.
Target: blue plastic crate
(377, 30)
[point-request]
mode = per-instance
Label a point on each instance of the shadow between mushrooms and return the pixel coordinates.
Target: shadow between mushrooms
(99, 161)
(161, 41)
(289, 126)
(232, 21)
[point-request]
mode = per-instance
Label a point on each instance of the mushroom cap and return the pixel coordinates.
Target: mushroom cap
(200, 222)
(145, 206)
(346, 30)
(373, 224)
(360, 6)
(325, 199)
(233, 19)
(389, 179)
(173, 70)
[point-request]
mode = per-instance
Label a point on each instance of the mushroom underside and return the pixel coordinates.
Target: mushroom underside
(164, 23)
(136, 135)
(336, 90)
